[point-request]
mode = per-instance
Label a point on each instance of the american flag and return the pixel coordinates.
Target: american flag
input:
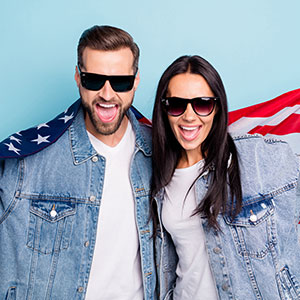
(32, 140)
(278, 118)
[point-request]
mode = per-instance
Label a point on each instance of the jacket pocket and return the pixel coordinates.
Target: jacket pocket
(289, 284)
(253, 230)
(50, 225)
(11, 293)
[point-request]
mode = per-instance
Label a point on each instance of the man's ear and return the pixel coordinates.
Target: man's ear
(136, 80)
(77, 76)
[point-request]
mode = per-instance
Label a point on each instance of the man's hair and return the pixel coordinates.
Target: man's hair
(107, 38)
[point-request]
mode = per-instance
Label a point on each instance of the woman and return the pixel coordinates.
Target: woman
(228, 205)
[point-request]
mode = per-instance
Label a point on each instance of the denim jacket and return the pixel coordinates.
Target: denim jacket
(256, 255)
(49, 206)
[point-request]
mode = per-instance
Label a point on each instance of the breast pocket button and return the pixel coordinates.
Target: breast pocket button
(53, 213)
(253, 218)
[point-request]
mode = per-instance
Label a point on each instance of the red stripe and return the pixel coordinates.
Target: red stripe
(289, 125)
(145, 121)
(268, 108)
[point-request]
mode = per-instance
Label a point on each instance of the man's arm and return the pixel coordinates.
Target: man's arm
(9, 178)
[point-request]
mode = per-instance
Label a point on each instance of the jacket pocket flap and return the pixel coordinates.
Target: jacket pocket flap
(52, 211)
(254, 211)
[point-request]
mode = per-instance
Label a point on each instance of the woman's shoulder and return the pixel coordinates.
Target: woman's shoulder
(266, 163)
(261, 146)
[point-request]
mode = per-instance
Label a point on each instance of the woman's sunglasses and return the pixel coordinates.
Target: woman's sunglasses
(95, 82)
(202, 106)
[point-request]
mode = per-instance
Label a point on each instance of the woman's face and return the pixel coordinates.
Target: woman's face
(189, 128)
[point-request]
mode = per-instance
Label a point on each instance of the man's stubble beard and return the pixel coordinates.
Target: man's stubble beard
(105, 128)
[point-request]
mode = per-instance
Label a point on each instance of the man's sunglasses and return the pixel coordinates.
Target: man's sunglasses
(95, 82)
(202, 106)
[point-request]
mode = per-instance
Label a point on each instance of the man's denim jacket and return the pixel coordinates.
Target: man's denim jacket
(49, 206)
(256, 255)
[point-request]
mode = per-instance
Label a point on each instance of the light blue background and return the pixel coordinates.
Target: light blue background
(255, 46)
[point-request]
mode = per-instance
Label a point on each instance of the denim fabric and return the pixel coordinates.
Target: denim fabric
(256, 255)
(49, 206)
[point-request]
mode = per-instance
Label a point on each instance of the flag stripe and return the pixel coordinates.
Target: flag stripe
(289, 125)
(278, 118)
(269, 108)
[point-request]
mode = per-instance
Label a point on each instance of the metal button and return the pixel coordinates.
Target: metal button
(86, 244)
(92, 198)
(217, 250)
(53, 213)
(95, 158)
(225, 287)
(80, 289)
(253, 218)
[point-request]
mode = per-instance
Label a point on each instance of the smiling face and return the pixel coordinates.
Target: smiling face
(105, 109)
(190, 129)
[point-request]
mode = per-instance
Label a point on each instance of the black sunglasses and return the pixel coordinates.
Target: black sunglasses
(202, 106)
(95, 82)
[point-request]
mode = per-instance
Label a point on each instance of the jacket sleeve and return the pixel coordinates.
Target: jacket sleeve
(9, 179)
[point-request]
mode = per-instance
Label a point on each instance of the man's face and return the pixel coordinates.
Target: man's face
(105, 108)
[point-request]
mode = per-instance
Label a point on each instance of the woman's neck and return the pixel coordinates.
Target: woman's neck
(189, 158)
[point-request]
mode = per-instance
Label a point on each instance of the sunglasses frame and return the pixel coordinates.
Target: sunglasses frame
(165, 102)
(110, 78)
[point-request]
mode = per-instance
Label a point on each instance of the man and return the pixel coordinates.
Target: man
(74, 208)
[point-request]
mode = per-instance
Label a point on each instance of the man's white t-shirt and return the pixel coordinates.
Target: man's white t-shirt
(194, 276)
(116, 267)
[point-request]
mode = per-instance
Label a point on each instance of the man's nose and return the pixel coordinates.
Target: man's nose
(106, 92)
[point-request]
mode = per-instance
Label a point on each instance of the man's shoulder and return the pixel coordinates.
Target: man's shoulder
(35, 139)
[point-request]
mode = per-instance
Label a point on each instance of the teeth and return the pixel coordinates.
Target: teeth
(107, 105)
(189, 128)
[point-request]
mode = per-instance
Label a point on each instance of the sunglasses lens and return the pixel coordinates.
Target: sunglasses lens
(93, 82)
(122, 83)
(176, 106)
(203, 107)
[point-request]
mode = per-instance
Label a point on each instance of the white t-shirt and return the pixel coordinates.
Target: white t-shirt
(116, 268)
(194, 276)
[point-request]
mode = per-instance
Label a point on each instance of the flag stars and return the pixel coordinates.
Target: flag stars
(67, 118)
(13, 138)
(11, 147)
(41, 139)
(42, 125)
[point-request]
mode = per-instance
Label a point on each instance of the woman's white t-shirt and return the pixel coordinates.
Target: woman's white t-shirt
(194, 276)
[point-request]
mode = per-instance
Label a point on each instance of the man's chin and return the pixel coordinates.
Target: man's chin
(108, 128)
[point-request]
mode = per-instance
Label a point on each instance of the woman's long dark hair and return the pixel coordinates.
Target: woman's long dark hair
(217, 149)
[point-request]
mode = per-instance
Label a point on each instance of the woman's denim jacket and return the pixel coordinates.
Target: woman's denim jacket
(46, 254)
(256, 255)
